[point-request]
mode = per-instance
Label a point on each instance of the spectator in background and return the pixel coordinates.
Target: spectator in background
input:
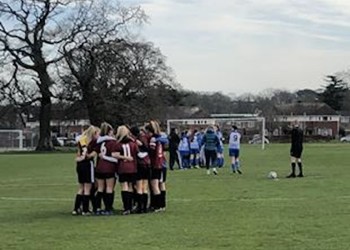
(174, 141)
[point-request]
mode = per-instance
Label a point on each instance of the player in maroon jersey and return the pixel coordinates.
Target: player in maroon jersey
(126, 153)
(143, 169)
(85, 170)
(92, 156)
(157, 159)
(105, 169)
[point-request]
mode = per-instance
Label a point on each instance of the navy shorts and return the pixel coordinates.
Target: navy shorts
(130, 178)
(233, 152)
(296, 152)
(85, 172)
(143, 173)
(104, 176)
(194, 151)
(156, 174)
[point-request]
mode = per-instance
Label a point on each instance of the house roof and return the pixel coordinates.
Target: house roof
(305, 109)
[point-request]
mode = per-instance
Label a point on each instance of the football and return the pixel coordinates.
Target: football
(272, 175)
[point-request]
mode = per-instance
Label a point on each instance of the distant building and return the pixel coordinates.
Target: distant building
(65, 121)
(314, 118)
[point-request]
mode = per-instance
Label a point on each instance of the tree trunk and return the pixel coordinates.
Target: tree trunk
(93, 105)
(45, 143)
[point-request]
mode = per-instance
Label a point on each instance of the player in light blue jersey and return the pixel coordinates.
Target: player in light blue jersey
(220, 149)
(234, 147)
(184, 151)
(194, 146)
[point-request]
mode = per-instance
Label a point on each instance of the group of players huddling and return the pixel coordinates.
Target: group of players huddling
(136, 158)
(205, 148)
(133, 156)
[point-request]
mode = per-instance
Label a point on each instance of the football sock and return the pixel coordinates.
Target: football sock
(98, 199)
(221, 162)
(151, 200)
(139, 201)
(131, 196)
(109, 199)
(237, 165)
(92, 198)
(86, 199)
(163, 198)
(104, 198)
(300, 165)
(77, 202)
(293, 168)
(124, 195)
(157, 201)
(144, 202)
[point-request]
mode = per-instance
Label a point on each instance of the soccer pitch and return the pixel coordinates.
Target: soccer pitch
(227, 211)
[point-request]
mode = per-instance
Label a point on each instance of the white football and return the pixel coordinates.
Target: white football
(272, 175)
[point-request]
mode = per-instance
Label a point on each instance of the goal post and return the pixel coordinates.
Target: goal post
(249, 125)
(11, 139)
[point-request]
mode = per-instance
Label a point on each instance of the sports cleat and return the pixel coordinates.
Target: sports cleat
(291, 176)
(239, 171)
(126, 212)
(76, 212)
(208, 172)
(300, 175)
(98, 212)
(158, 210)
(215, 171)
(107, 213)
(86, 213)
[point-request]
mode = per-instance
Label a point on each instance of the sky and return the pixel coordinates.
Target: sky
(248, 46)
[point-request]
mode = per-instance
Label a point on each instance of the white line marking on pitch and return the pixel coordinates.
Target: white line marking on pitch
(182, 199)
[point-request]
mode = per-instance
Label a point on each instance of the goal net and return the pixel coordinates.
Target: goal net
(251, 128)
(11, 140)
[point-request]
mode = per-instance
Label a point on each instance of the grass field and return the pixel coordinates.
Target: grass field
(204, 212)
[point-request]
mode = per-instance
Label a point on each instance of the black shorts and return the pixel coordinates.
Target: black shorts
(143, 173)
(104, 176)
(130, 178)
(85, 172)
(296, 152)
(164, 174)
(156, 174)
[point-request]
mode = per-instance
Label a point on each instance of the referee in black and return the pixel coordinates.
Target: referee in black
(297, 136)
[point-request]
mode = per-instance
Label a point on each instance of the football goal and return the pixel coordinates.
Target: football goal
(11, 139)
(252, 128)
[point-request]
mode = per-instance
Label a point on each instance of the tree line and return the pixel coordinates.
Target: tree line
(88, 53)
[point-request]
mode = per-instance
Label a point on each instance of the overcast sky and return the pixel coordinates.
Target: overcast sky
(240, 46)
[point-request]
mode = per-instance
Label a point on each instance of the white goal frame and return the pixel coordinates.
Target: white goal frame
(213, 121)
(11, 143)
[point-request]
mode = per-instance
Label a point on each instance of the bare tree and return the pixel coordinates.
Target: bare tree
(120, 81)
(32, 34)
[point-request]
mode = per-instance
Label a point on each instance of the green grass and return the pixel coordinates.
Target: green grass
(204, 212)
